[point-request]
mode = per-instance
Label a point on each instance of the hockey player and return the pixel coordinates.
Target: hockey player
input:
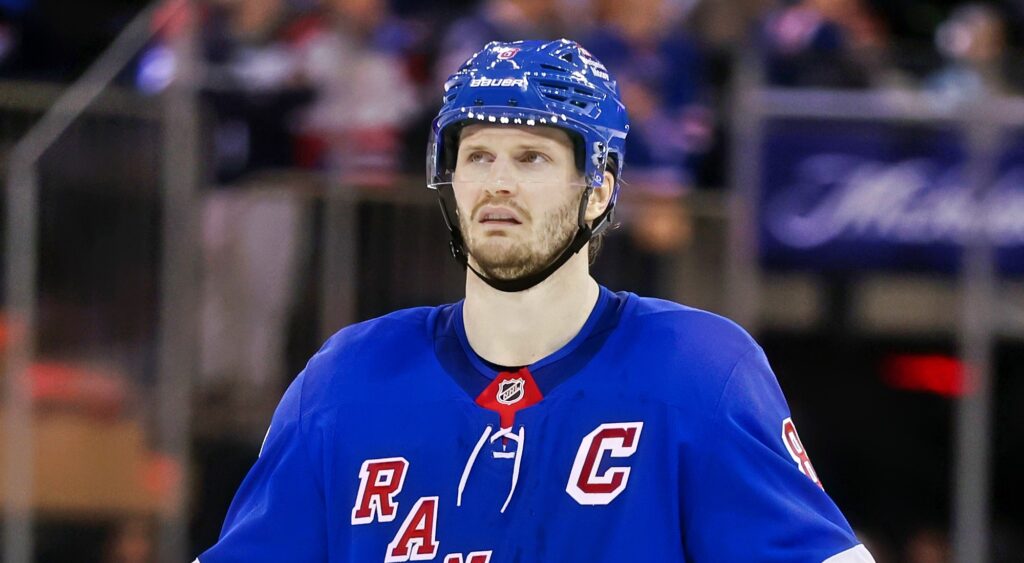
(543, 418)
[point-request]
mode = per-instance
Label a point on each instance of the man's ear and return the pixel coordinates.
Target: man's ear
(600, 197)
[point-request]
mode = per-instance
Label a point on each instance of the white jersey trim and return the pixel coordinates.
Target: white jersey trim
(856, 554)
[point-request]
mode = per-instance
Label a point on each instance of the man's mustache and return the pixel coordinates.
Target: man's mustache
(502, 202)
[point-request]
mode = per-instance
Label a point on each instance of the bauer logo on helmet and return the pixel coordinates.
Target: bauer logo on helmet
(485, 82)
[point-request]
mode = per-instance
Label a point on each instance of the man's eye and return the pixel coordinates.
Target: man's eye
(477, 157)
(534, 157)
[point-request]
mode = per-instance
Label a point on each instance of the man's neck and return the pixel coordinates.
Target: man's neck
(519, 328)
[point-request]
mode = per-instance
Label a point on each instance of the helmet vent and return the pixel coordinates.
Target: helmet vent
(553, 67)
(453, 93)
(567, 57)
(565, 92)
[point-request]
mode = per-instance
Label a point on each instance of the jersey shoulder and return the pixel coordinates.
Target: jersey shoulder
(688, 352)
(360, 360)
(682, 329)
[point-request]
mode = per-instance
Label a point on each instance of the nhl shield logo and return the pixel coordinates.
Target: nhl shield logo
(511, 391)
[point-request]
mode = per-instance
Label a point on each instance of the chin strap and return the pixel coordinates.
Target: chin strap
(449, 209)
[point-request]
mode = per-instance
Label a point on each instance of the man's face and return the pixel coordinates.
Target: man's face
(518, 193)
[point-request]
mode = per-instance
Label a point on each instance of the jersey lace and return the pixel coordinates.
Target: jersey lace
(490, 436)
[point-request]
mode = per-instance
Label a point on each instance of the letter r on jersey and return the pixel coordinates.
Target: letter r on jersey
(616, 439)
(380, 480)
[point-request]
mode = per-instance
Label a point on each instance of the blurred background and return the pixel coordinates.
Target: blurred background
(199, 192)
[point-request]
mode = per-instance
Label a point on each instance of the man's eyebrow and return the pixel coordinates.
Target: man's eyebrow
(526, 145)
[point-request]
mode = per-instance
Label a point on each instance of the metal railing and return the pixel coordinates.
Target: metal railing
(754, 105)
(92, 95)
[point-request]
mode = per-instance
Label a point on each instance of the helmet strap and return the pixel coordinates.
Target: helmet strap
(449, 209)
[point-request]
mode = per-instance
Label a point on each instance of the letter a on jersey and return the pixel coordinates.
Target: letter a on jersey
(618, 440)
(416, 540)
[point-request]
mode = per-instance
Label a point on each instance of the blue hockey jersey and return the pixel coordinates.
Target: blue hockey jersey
(658, 434)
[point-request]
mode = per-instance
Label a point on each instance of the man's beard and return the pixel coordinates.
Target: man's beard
(508, 262)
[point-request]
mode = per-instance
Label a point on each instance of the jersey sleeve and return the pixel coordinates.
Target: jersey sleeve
(752, 495)
(278, 513)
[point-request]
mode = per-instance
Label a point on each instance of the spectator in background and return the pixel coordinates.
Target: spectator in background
(973, 42)
(254, 88)
(497, 20)
(357, 51)
(825, 43)
(660, 74)
(11, 14)
(660, 70)
(253, 83)
(341, 55)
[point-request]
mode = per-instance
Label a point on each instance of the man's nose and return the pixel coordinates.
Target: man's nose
(502, 177)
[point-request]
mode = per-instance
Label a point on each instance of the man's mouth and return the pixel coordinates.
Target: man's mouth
(499, 217)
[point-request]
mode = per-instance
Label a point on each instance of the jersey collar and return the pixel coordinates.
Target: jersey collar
(604, 297)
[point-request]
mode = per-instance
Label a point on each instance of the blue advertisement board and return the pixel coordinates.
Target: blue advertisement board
(844, 197)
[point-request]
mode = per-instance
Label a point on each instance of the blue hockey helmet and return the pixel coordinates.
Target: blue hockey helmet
(533, 83)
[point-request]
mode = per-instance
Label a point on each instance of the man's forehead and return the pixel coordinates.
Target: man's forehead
(480, 133)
